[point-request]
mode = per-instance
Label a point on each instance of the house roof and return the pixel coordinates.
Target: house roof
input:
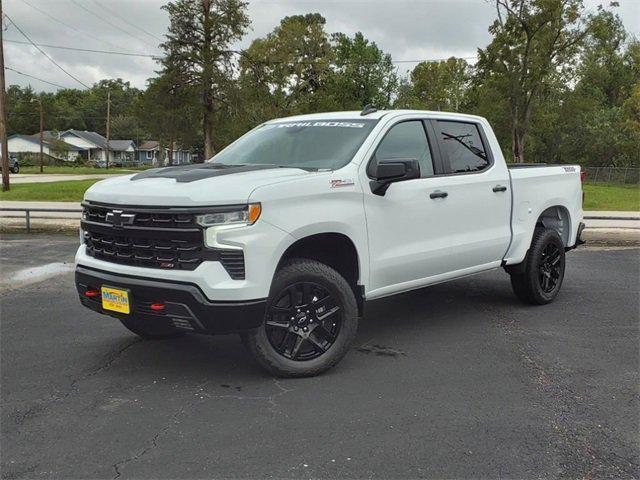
(148, 145)
(155, 145)
(119, 145)
(35, 138)
(93, 137)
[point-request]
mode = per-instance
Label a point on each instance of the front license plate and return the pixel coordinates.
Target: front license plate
(115, 300)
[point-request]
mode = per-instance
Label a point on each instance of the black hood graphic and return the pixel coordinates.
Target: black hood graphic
(192, 173)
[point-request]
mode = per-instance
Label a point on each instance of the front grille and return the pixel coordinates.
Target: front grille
(152, 238)
(143, 217)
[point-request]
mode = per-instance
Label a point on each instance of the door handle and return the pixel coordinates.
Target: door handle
(438, 194)
(499, 188)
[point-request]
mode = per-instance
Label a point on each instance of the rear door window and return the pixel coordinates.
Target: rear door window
(461, 145)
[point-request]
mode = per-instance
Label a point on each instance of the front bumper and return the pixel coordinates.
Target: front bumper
(186, 307)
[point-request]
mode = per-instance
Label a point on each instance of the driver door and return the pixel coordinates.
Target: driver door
(406, 241)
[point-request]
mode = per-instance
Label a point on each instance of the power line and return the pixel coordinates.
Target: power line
(35, 78)
(101, 18)
(61, 47)
(125, 20)
(45, 54)
(88, 35)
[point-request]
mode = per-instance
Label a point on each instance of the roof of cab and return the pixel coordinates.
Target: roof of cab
(354, 114)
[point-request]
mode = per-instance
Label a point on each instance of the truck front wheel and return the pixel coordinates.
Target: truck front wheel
(539, 278)
(311, 321)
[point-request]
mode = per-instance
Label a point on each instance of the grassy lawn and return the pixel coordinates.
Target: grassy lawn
(80, 170)
(71, 191)
(612, 197)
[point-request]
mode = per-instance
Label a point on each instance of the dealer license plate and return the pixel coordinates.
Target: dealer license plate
(115, 300)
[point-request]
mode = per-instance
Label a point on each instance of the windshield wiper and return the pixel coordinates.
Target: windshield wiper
(475, 150)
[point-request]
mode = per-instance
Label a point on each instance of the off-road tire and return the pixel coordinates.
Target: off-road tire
(305, 270)
(527, 284)
(151, 330)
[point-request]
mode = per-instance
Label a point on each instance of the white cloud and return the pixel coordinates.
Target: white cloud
(408, 29)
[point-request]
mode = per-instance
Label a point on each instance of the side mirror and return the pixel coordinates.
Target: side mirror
(393, 170)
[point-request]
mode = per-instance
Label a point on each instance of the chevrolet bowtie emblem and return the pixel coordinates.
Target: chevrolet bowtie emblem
(117, 218)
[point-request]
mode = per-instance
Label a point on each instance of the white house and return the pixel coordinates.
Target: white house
(94, 146)
(31, 144)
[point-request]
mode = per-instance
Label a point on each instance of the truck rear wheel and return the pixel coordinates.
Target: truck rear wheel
(540, 279)
(151, 330)
(310, 324)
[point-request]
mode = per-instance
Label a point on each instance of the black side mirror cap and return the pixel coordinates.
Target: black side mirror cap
(393, 170)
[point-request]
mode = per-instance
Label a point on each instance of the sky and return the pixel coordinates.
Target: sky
(410, 30)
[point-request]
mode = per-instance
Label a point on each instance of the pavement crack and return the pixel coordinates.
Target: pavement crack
(152, 443)
(43, 404)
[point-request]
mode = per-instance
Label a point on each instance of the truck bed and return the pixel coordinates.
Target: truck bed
(535, 188)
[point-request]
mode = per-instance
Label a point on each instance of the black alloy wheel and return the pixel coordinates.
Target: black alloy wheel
(537, 280)
(310, 322)
(303, 321)
(550, 267)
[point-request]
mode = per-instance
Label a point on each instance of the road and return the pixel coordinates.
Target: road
(455, 381)
(17, 178)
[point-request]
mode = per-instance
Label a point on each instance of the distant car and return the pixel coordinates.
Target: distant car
(14, 166)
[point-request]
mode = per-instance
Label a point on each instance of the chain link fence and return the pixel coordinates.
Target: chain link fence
(615, 175)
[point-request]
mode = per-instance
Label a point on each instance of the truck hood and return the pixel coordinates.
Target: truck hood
(191, 185)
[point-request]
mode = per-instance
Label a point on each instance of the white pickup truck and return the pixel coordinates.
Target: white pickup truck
(286, 233)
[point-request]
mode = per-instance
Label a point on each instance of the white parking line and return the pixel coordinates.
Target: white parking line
(37, 274)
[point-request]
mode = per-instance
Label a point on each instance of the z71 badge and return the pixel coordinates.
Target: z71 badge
(343, 182)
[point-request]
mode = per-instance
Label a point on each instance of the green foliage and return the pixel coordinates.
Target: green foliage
(198, 54)
(437, 85)
(363, 74)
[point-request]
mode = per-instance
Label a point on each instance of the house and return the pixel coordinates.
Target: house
(94, 146)
(51, 146)
(149, 154)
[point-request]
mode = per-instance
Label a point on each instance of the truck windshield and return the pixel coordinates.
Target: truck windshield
(313, 145)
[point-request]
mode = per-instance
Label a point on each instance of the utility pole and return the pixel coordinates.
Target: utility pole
(108, 124)
(39, 100)
(3, 114)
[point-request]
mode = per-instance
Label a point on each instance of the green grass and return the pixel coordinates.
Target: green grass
(71, 191)
(611, 197)
(80, 170)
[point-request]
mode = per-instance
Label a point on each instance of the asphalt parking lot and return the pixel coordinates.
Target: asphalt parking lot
(455, 381)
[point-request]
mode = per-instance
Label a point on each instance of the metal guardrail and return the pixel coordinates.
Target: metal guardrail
(28, 211)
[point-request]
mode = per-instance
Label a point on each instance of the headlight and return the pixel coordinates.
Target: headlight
(245, 215)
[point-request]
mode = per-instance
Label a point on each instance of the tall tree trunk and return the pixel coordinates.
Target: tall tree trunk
(207, 82)
(518, 144)
(207, 127)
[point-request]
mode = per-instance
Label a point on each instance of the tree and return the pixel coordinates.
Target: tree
(535, 42)
(437, 85)
(363, 74)
(198, 46)
(291, 65)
